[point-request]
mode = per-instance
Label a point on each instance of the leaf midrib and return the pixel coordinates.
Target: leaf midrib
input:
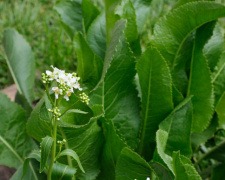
(146, 111)
(17, 155)
(11, 149)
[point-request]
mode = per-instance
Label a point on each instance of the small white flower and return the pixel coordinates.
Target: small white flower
(77, 86)
(51, 75)
(148, 178)
(68, 95)
(57, 92)
(61, 78)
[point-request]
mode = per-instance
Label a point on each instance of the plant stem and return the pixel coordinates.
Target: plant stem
(53, 149)
(211, 151)
(49, 97)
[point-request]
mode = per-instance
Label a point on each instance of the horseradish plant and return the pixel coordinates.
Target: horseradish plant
(157, 113)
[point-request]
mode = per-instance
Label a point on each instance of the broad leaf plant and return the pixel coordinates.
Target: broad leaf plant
(130, 112)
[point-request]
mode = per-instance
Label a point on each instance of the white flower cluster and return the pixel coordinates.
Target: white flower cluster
(66, 82)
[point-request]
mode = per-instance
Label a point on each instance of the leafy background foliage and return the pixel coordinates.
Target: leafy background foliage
(156, 89)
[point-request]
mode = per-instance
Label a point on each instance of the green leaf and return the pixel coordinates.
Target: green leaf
(116, 91)
(111, 17)
(131, 166)
(216, 152)
(218, 172)
(86, 140)
(178, 125)
(71, 14)
(62, 171)
(20, 60)
(155, 82)
(46, 146)
(183, 168)
(42, 128)
(200, 85)
(73, 154)
(76, 111)
(89, 65)
(182, 65)
(161, 139)
(32, 172)
(76, 15)
(219, 79)
(131, 31)
(15, 144)
(201, 138)
(177, 96)
(160, 171)
(66, 107)
(214, 47)
(220, 110)
(29, 166)
(111, 151)
(96, 36)
(21, 100)
(182, 2)
(185, 19)
(89, 12)
(142, 8)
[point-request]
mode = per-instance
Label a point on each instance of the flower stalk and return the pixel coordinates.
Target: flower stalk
(66, 84)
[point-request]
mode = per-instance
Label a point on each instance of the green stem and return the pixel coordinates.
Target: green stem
(211, 151)
(53, 150)
(69, 160)
(49, 97)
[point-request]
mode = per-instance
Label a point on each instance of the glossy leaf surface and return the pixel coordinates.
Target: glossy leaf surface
(15, 144)
(156, 89)
(20, 60)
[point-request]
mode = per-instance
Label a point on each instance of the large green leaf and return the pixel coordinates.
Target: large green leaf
(161, 139)
(219, 79)
(131, 166)
(62, 171)
(15, 144)
(200, 138)
(111, 151)
(59, 170)
(182, 65)
(131, 32)
(186, 18)
(160, 171)
(200, 85)
(218, 172)
(184, 170)
(178, 125)
(46, 146)
(157, 103)
(220, 110)
(73, 154)
(68, 106)
(32, 172)
(116, 91)
(214, 47)
(76, 15)
(142, 8)
(111, 17)
(20, 60)
(89, 64)
(96, 36)
(86, 140)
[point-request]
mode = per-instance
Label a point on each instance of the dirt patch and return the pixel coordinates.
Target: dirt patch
(6, 172)
(10, 92)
